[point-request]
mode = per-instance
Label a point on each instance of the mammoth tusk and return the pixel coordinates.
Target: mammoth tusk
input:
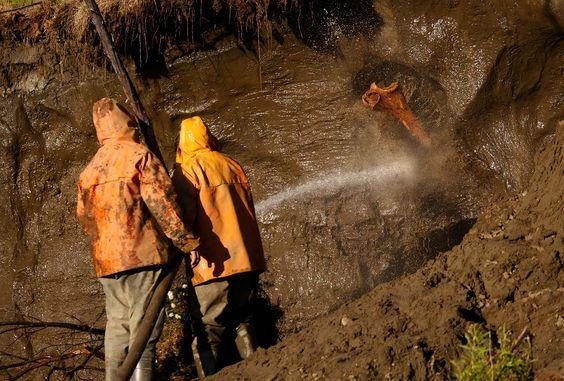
(391, 88)
(391, 100)
(384, 90)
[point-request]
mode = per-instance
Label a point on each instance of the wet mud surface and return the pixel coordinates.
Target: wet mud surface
(346, 198)
(507, 272)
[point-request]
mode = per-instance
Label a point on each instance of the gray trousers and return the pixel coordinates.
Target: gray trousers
(127, 297)
(223, 304)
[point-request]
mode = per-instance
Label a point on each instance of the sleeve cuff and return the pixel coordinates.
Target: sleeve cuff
(190, 244)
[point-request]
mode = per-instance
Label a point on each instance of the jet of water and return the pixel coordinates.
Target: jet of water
(400, 170)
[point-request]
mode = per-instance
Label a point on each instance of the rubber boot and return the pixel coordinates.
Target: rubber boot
(246, 341)
(205, 359)
(142, 374)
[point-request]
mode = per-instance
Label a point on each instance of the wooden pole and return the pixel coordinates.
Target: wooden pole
(130, 91)
(169, 273)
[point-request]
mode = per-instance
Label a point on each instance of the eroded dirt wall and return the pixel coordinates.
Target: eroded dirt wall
(506, 274)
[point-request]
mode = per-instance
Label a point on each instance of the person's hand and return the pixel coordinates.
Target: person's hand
(194, 258)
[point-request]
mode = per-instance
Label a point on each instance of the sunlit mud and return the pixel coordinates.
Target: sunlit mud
(347, 198)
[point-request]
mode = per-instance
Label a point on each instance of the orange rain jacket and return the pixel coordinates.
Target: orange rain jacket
(216, 194)
(123, 194)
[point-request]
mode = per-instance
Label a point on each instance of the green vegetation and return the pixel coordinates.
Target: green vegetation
(484, 358)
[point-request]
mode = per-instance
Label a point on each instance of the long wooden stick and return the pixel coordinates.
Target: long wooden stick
(121, 71)
(169, 273)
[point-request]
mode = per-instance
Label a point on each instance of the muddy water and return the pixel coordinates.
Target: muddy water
(346, 199)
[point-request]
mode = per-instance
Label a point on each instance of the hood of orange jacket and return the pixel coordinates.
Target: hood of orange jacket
(113, 121)
(126, 200)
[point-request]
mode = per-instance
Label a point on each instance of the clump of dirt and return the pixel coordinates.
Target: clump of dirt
(506, 272)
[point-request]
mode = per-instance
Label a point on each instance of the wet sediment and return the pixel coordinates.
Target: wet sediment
(506, 274)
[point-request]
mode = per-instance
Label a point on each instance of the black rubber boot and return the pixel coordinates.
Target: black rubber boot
(205, 358)
(246, 341)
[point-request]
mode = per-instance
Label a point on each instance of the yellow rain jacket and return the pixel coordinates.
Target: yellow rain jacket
(215, 192)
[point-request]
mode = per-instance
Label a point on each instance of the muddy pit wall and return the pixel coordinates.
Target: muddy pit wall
(345, 198)
(506, 275)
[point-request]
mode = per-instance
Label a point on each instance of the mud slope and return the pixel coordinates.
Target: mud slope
(507, 271)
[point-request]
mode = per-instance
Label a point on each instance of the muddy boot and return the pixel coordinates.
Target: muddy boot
(205, 359)
(246, 341)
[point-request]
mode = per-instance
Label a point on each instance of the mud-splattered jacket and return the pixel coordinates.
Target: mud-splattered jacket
(126, 200)
(216, 196)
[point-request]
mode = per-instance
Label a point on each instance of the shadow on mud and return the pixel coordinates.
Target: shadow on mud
(320, 23)
(429, 247)
(266, 317)
(442, 240)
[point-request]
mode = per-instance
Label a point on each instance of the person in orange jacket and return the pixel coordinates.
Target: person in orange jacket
(217, 199)
(126, 201)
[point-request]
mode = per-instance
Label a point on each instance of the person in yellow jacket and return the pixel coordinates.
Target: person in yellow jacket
(217, 201)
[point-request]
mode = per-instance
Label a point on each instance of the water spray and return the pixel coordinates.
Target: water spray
(401, 169)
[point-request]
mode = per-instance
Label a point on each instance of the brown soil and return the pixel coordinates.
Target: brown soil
(506, 272)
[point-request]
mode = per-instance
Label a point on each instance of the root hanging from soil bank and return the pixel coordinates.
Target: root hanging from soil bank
(146, 31)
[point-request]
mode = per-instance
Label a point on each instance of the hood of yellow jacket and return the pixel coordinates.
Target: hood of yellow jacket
(195, 137)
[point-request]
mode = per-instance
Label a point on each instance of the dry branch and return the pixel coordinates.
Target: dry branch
(71, 359)
(51, 361)
(40, 324)
(20, 8)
